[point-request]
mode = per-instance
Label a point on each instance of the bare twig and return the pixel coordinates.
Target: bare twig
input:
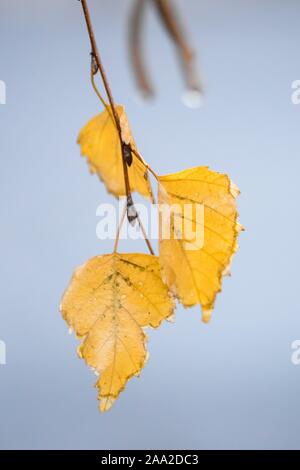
(132, 214)
(96, 55)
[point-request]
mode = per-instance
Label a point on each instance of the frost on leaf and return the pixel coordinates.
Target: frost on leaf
(110, 299)
(100, 143)
(195, 275)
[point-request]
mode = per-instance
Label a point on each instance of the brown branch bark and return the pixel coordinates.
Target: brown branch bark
(132, 214)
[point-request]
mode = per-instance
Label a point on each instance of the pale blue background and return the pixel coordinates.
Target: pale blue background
(230, 384)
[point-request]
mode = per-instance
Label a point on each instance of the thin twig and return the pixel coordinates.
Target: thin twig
(97, 58)
(100, 66)
(132, 214)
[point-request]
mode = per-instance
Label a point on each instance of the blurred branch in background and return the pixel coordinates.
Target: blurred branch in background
(173, 25)
(136, 47)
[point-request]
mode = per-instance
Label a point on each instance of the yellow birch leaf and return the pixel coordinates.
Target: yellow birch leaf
(193, 266)
(110, 299)
(100, 144)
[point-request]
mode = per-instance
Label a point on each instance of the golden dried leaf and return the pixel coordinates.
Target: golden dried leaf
(99, 142)
(192, 270)
(109, 301)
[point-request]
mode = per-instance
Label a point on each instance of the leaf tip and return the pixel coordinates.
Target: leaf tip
(106, 403)
(206, 314)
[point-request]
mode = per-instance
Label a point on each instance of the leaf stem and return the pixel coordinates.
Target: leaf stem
(98, 92)
(146, 238)
(136, 153)
(119, 228)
